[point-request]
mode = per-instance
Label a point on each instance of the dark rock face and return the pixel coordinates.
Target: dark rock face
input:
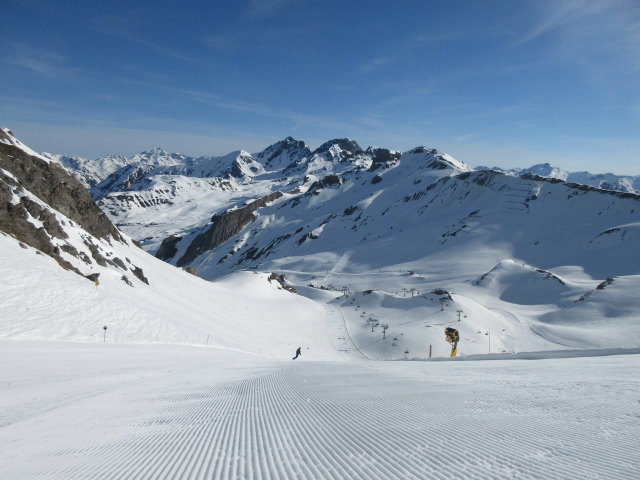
(345, 144)
(122, 179)
(328, 181)
(296, 149)
(93, 277)
(236, 170)
(137, 271)
(605, 284)
(382, 158)
(376, 179)
(57, 188)
(280, 279)
(224, 227)
(168, 248)
(14, 220)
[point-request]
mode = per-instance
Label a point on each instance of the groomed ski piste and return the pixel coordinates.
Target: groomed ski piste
(195, 379)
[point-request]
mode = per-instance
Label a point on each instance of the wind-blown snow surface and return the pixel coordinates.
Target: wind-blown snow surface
(105, 411)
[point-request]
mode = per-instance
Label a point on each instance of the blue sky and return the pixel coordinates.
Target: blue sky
(493, 82)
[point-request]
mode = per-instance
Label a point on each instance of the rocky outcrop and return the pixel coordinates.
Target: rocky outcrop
(224, 227)
(57, 188)
(328, 181)
(281, 280)
(284, 153)
(168, 248)
(39, 203)
(382, 158)
(346, 149)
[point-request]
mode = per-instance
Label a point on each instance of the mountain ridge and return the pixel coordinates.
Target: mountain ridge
(354, 231)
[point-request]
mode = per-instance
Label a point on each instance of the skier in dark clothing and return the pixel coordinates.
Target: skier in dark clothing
(298, 353)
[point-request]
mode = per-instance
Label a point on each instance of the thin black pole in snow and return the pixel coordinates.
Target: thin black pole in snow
(104, 339)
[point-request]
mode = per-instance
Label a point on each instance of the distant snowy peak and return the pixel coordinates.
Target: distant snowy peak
(433, 159)
(541, 169)
(283, 154)
(90, 172)
(243, 165)
(605, 181)
(159, 157)
(546, 170)
(339, 149)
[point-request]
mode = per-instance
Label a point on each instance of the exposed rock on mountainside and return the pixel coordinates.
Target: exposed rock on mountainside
(43, 206)
(168, 248)
(374, 203)
(224, 227)
(282, 281)
(57, 188)
(340, 148)
(283, 154)
(382, 158)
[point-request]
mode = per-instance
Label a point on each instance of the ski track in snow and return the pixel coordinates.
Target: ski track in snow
(339, 334)
(319, 420)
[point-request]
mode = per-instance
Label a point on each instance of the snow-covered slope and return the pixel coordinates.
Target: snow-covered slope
(385, 251)
(67, 273)
(511, 257)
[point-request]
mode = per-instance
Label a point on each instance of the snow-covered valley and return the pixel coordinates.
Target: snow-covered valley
(116, 364)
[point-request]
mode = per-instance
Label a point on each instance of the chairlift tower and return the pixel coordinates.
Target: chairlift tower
(442, 302)
(384, 330)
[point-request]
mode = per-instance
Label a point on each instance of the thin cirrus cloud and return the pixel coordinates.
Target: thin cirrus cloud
(43, 62)
(394, 53)
(262, 9)
(609, 30)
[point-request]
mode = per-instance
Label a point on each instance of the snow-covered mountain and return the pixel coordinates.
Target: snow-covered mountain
(90, 172)
(525, 256)
(67, 272)
(606, 181)
(381, 250)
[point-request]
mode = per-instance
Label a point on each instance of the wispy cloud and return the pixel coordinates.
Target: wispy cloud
(297, 118)
(394, 53)
(43, 62)
(590, 33)
(262, 9)
(123, 27)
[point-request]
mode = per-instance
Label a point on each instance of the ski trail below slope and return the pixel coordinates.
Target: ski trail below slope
(339, 334)
(318, 420)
